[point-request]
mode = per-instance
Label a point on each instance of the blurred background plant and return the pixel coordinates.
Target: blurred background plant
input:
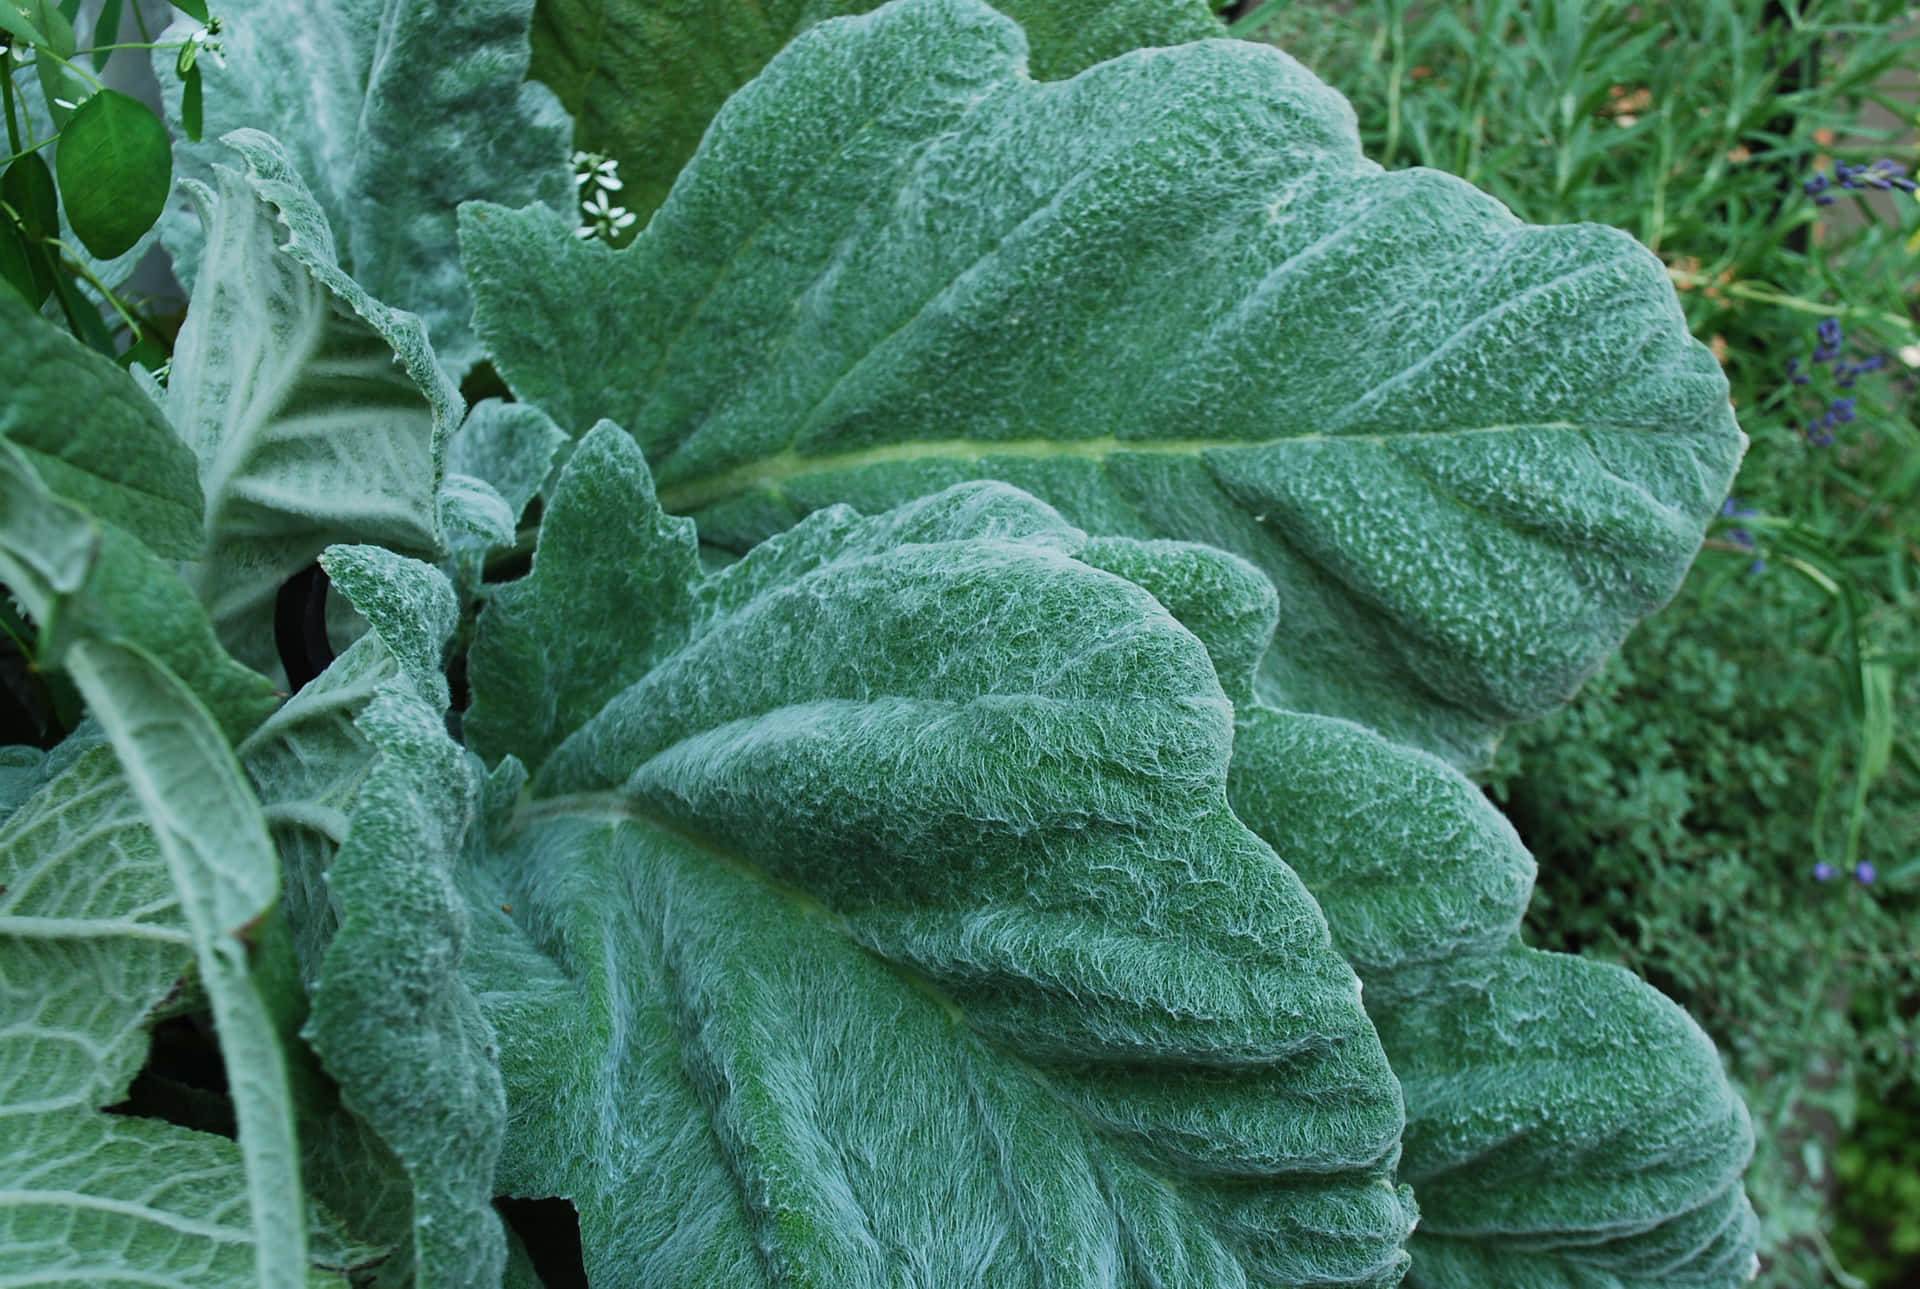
(88, 167)
(1731, 807)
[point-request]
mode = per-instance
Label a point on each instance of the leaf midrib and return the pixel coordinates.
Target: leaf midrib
(691, 494)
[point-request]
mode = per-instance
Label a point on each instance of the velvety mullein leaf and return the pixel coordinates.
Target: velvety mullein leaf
(92, 939)
(316, 412)
(79, 576)
(644, 79)
(92, 435)
(1567, 1126)
(209, 832)
(1170, 297)
(393, 1021)
(369, 800)
(887, 919)
(392, 114)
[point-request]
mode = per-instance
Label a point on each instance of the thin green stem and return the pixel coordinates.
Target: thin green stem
(6, 92)
(79, 264)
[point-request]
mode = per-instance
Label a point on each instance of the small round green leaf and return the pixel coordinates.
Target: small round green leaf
(116, 168)
(195, 9)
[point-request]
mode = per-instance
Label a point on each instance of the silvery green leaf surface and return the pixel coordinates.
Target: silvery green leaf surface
(393, 112)
(92, 436)
(208, 830)
(393, 1021)
(643, 79)
(1567, 1126)
(1171, 298)
(80, 577)
(93, 937)
(511, 446)
(368, 800)
(879, 914)
(310, 759)
(317, 413)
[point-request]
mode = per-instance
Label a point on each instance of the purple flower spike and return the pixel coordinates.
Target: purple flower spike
(1829, 332)
(1874, 363)
(1866, 872)
(1823, 871)
(1842, 410)
(1756, 568)
(1816, 184)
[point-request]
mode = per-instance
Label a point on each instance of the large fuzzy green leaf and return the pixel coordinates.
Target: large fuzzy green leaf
(879, 915)
(644, 78)
(392, 112)
(94, 438)
(1568, 1128)
(317, 413)
(1170, 297)
(81, 577)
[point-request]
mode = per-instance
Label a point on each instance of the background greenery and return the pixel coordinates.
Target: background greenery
(1762, 725)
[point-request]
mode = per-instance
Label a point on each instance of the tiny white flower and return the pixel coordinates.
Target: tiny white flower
(1911, 355)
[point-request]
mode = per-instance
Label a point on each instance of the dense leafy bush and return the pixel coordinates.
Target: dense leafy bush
(978, 891)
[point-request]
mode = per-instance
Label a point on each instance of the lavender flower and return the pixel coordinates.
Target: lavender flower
(1823, 871)
(1830, 337)
(1866, 872)
(1882, 174)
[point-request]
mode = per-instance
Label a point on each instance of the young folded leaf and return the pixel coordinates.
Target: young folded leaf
(1171, 298)
(391, 116)
(878, 912)
(317, 413)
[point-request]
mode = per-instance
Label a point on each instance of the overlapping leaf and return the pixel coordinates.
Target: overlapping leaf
(392, 112)
(1170, 297)
(82, 577)
(92, 436)
(369, 800)
(643, 80)
(879, 915)
(1567, 1126)
(317, 413)
(92, 939)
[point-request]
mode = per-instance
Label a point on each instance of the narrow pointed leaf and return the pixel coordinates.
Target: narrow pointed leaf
(643, 80)
(317, 413)
(890, 869)
(208, 828)
(1170, 297)
(391, 115)
(116, 169)
(93, 436)
(393, 1020)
